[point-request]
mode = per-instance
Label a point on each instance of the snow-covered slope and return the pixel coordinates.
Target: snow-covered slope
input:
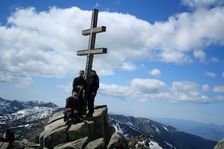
(25, 118)
(156, 134)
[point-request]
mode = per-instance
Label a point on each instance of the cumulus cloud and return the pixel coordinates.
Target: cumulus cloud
(155, 72)
(67, 88)
(44, 44)
(219, 88)
(219, 98)
(153, 89)
(205, 87)
(202, 3)
(128, 66)
(187, 91)
(210, 74)
(138, 88)
(199, 54)
(214, 59)
(114, 90)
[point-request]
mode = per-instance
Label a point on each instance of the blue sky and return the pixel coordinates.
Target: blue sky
(165, 58)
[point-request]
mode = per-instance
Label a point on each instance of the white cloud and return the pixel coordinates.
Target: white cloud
(201, 3)
(153, 89)
(183, 86)
(141, 89)
(199, 54)
(219, 88)
(210, 74)
(186, 91)
(214, 59)
(128, 66)
(155, 72)
(147, 85)
(219, 98)
(114, 90)
(67, 88)
(45, 43)
(205, 87)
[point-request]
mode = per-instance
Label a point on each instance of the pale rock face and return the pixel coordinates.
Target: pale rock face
(77, 144)
(92, 133)
(220, 145)
(96, 144)
(4, 145)
(117, 141)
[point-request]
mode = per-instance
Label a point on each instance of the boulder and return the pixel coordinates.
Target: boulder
(77, 144)
(96, 144)
(220, 145)
(102, 125)
(77, 131)
(56, 116)
(55, 137)
(16, 144)
(96, 130)
(4, 145)
(117, 141)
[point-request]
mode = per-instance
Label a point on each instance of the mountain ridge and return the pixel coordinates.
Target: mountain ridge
(36, 115)
(209, 131)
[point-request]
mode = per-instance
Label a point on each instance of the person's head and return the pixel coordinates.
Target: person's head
(81, 73)
(93, 72)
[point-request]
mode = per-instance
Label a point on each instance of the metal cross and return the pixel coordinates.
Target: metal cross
(91, 51)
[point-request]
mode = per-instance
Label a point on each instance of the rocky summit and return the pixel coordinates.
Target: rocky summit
(91, 133)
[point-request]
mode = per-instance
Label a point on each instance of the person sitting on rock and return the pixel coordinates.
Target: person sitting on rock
(72, 109)
(9, 136)
(80, 85)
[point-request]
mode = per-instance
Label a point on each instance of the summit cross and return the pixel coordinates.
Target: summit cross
(91, 51)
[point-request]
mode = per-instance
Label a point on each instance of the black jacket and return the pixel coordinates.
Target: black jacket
(94, 83)
(79, 81)
(72, 102)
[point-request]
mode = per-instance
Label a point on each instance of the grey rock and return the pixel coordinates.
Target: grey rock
(17, 145)
(56, 116)
(220, 145)
(91, 126)
(96, 144)
(117, 141)
(102, 126)
(58, 134)
(54, 125)
(77, 131)
(77, 144)
(4, 145)
(55, 137)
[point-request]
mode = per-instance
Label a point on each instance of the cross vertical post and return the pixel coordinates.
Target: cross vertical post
(91, 51)
(92, 39)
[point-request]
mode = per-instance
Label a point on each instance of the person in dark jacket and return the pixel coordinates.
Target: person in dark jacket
(92, 91)
(10, 136)
(72, 109)
(79, 86)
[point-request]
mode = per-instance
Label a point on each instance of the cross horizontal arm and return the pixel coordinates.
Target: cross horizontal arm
(94, 30)
(94, 51)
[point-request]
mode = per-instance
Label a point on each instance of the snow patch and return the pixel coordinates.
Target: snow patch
(154, 145)
(168, 144)
(164, 127)
(157, 130)
(118, 128)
